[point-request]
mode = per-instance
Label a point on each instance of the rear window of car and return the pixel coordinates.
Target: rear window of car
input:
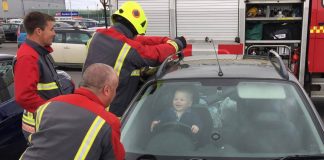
(58, 38)
(14, 27)
(77, 38)
(6, 27)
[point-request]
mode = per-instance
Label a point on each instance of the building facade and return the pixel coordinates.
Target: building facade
(19, 8)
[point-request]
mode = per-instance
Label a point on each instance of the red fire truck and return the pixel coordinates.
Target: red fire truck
(295, 28)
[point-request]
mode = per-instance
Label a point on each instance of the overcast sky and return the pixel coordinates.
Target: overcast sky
(83, 4)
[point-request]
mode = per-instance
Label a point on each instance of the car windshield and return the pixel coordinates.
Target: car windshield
(208, 118)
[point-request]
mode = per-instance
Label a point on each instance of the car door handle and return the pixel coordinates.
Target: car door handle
(66, 47)
(321, 23)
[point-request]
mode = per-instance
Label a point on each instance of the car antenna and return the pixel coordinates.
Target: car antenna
(220, 72)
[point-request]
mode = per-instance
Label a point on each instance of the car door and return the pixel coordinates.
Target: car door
(58, 47)
(75, 50)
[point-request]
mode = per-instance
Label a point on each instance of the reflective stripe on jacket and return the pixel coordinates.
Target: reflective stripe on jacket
(118, 48)
(75, 126)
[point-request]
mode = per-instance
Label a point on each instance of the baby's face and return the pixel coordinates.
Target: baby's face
(181, 101)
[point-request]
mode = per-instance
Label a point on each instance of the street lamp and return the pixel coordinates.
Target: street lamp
(104, 3)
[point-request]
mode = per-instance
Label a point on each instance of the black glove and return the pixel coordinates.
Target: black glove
(181, 41)
(180, 55)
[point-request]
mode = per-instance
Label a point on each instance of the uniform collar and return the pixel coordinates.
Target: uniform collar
(87, 93)
(123, 29)
(42, 50)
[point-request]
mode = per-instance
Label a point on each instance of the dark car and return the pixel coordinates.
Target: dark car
(12, 141)
(248, 109)
(10, 30)
(2, 35)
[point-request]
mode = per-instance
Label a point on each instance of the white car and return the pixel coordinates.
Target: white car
(69, 47)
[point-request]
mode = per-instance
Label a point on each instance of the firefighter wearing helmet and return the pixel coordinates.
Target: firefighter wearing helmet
(124, 47)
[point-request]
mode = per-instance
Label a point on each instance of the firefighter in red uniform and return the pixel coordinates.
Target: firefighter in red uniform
(77, 126)
(35, 78)
(122, 47)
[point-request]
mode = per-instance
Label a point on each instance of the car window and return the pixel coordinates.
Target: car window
(6, 27)
(1, 29)
(231, 121)
(6, 81)
(77, 38)
(58, 38)
(14, 27)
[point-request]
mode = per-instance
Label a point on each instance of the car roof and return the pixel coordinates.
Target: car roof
(231, 68)
(70, 30)
(6, 57)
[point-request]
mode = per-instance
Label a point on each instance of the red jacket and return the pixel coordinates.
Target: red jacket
(118, 48)
(34, 76)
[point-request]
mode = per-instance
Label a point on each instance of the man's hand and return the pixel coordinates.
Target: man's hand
(180, 55)
(183, 41)
(154, 123)
(194, 129)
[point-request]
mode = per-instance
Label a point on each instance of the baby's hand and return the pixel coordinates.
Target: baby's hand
(194, 129)
(154, 123)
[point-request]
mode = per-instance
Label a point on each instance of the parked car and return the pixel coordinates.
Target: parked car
(10, 30)
(249, 109)
(12, 141)
(21, 35)
(2, 35)
(69, 47)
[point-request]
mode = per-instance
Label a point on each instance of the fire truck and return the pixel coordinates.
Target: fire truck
(294, 28)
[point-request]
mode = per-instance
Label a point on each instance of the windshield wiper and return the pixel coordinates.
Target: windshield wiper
(304, 157)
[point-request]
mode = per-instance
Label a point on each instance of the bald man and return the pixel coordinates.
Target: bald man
(77, 126)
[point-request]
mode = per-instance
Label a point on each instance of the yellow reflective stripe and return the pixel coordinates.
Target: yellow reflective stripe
(47, 86)
(28, 118)
(136, 72)
(22, 155)
(39, 114)
(89, 41)
(317, 29)
(121, 57)
(174, 44)
(89, 138)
